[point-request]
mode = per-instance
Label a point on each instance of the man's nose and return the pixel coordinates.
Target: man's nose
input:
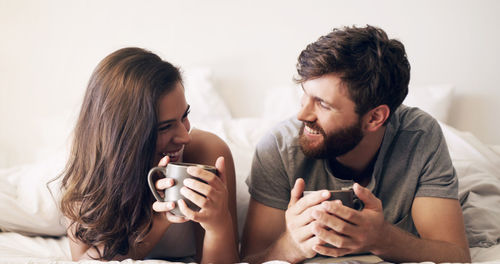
(306, 112)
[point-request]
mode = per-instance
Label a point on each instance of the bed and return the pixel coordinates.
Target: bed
(31, 225)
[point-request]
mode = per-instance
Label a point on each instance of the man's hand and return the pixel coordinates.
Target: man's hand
(299, 221)
(346, 229)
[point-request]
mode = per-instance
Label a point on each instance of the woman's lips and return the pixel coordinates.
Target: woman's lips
(174, 155)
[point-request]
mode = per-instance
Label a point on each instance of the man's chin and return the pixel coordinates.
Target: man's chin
(312, 151)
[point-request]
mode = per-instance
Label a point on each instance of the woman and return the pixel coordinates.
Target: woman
(135, 116)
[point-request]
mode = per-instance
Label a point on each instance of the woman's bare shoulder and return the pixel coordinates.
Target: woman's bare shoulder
(205, 148)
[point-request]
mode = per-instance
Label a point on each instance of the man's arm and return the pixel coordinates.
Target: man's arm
(263, 226)
(439, 222)
(274, 234)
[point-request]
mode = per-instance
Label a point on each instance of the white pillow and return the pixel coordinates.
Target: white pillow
(433, 99)
(27, 205)
(205, 101)
(478, 170)
(281, 102)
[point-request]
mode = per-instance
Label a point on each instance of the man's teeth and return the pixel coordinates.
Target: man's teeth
(310, 130)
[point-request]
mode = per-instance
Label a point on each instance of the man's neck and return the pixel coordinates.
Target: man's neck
(359, 159)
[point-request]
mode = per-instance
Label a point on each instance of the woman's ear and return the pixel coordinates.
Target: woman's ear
(376, 117)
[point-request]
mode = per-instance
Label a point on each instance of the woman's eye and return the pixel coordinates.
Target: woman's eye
(186, 115)
(164, 128)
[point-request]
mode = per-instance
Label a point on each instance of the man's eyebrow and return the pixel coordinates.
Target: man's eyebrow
(316, 98)
(173, 119)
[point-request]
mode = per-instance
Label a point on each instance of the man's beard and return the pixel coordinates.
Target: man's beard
(334, 144)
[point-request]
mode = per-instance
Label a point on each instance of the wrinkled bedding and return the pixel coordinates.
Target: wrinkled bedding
(29, 208)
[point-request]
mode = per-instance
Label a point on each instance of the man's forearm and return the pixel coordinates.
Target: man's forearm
(401, 246)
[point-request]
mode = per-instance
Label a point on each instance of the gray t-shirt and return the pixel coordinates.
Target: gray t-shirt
(413, 160)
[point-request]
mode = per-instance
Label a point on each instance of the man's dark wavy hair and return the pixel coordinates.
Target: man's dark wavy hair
(374, 68)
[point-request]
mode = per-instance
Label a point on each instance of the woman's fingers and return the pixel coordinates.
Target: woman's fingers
(204, 175)
(164, 183)
(186, 211)
(162, 207)
(220, 164)
(164, 161)
(194, 197)
(175, 218)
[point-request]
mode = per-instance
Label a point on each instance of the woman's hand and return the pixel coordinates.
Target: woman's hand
(164, 208)
(211, 197)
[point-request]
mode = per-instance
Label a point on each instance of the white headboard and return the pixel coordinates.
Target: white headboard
(49, 49)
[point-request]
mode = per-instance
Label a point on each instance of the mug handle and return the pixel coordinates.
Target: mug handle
(358, 204)
(151, 184)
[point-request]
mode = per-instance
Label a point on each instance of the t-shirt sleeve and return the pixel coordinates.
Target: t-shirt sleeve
(268, 181)
(438, 177)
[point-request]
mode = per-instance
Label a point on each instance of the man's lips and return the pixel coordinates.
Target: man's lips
(311, 131)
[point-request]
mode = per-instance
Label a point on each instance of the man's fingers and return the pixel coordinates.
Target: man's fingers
(331, 237)
(323, 218)
(304, 233)
(297, 191)
(345, 213)
(370, 201)
(330, 251)
(309, 200)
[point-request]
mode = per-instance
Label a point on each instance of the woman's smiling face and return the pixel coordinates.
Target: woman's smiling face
(173, 124)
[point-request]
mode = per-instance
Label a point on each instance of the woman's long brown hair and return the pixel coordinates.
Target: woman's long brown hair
(106, 195)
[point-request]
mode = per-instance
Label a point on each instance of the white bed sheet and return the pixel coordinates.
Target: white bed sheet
(16, 248)
(241, 136)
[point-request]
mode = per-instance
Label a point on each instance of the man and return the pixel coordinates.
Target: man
(353, 131)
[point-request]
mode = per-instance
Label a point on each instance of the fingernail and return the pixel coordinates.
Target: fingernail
(191, 170)
(170, 205)
(187, 182)
(325, 194)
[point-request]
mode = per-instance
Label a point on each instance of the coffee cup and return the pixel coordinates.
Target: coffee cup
(346, 196)
(178, 172)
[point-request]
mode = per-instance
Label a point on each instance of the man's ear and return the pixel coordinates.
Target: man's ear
(376, 117)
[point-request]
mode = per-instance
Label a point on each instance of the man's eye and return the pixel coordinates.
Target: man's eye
(323, 105)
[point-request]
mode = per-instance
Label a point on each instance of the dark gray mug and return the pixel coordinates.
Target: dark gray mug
(347, 197)
(176, 171)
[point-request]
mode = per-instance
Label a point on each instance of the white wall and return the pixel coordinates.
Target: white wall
(48, 50)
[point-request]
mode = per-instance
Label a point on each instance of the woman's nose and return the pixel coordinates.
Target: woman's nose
(182, 136)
